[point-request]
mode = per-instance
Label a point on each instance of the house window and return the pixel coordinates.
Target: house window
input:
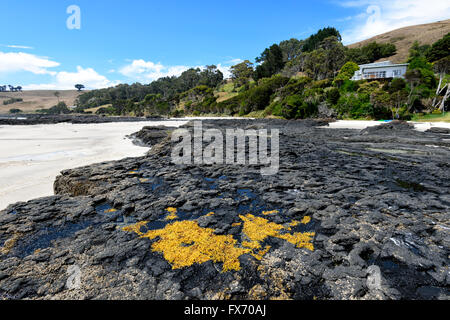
(375, 75)
(397, 73)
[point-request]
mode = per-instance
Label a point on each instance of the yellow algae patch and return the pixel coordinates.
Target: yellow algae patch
(258, 229)
(172, 213)
(210, 214)
(266, 213)
(294, 223)
(9, 244)
(261, 253)
(111, 210)
(184, 243)
(237, 224)
(300, 240)
(306, 220)
(136, 228)
(172, 216)
(251, 244)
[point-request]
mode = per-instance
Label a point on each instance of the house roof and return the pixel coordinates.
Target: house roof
(382, 64)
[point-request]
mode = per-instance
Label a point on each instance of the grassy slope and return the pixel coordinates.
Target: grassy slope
(404, 38)
(435, 117)
(37, 99)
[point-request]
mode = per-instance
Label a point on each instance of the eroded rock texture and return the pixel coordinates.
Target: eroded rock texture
(350, 215)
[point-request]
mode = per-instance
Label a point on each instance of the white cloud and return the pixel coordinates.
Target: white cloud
(67, 80)
(148, 71)
(18, 47)
(225, 70)
(385, 15)
(11, 62)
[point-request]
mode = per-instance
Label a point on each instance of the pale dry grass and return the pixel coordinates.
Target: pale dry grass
(404, 38)
(37, 99)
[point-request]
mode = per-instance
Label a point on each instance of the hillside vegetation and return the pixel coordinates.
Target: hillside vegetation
(293, 79)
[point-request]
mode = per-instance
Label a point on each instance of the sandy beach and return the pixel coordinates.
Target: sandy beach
(32, 156)
(362, 124)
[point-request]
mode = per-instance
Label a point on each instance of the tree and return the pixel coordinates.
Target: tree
(291, 49)
(242, 72)
(413, 77)
(418, 51)
(346, 73)
(442, 67)
(335, 55)
(315, 64)
(211, 76)
(57, 94)
(79, 87)
(312, 43)
(439, 49)
(326, 61)
(370, 52)
(271, 62)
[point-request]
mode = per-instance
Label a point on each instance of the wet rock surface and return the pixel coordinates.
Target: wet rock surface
(350, 215)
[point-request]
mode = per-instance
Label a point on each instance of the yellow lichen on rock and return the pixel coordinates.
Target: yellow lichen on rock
(172, 213)
(210, 214)
(184, 243)
(258, 229)
(9, 244)
(266, 213)
(251, 244)
(112, 210)
(306, 220)
(136, 228)
(261, 253)
(300, 240)
(294, 223)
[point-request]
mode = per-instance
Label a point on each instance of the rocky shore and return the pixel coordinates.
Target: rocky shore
(350, 215)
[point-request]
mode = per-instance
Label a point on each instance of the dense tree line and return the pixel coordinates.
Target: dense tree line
(293, 79)
(167, 87)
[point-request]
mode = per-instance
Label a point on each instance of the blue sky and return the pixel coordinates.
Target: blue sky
(129, 41)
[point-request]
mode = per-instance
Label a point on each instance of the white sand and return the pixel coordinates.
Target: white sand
(32, 156)
(362, 124)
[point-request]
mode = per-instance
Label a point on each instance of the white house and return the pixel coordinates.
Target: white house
(380, 70)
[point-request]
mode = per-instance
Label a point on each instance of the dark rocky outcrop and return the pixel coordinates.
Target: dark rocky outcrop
(371, 213)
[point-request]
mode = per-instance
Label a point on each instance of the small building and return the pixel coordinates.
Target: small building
(380, 70)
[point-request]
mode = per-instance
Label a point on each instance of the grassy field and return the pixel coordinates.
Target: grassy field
(434, 117)
(37, 99)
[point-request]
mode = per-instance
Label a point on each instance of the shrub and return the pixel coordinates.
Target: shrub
(333, 95)
(11, 101)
